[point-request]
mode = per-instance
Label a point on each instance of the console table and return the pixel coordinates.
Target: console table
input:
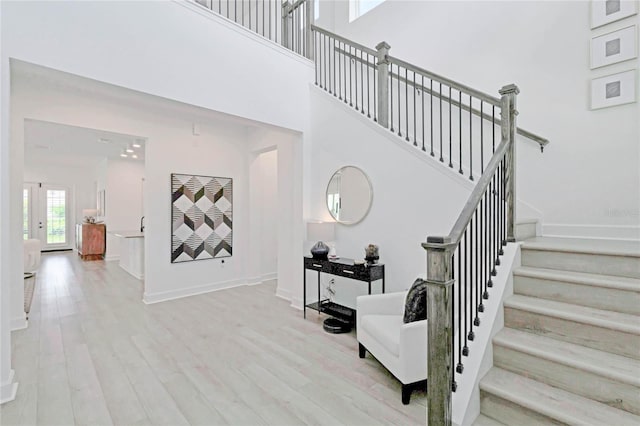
(343, 268)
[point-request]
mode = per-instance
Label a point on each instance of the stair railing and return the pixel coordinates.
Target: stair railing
(288, 24)
(461, 265)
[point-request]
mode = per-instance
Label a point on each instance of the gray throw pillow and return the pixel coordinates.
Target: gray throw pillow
(415, 307)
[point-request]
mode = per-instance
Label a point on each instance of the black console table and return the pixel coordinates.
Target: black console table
(343, 268)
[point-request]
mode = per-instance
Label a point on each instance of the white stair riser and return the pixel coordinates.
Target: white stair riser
(621, 266)
(590, 385)
(611, 299)
(525, 231)
(510, 413)
(604, 339)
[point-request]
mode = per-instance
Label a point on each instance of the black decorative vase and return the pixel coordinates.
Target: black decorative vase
(371, 253)
(372, 259)
(320, 251)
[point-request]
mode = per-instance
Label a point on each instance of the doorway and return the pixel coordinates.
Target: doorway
(47, 216)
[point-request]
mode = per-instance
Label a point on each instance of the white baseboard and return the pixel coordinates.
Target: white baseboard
(270, 276)
(112, 258)
(283, 294)
(19, 323)
(296, 303)
(163, 296)
(8, 389)
(609, 232)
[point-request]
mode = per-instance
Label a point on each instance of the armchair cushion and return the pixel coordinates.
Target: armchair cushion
(415, 308)
(385, 329)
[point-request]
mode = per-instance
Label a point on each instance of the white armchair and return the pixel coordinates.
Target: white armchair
(401, 348)
(32, 249)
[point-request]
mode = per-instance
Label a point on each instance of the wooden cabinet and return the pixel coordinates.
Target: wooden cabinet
(91, 240)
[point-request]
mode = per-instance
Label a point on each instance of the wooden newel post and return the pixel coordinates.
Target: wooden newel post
(439, 330)
(383, 83)
(508, 114)
(309, 20)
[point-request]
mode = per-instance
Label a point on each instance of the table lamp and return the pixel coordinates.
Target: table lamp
(89, 215)
(320, 232)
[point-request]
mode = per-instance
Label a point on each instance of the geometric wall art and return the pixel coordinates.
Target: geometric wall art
(615, 89)
(616, 46)
(201, 217)
(606, 11)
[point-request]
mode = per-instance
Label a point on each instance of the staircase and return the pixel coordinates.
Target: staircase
(570, 349)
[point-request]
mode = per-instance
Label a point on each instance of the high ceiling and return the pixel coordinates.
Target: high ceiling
(71, 146)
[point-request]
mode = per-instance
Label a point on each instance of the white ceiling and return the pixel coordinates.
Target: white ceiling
(71, 146)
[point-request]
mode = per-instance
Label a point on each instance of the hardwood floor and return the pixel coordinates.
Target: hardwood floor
(95, 354)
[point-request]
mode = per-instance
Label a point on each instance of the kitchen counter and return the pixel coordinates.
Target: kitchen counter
(128, 234)
(131, 252)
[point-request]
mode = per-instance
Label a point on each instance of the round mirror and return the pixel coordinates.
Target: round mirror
(349, 195)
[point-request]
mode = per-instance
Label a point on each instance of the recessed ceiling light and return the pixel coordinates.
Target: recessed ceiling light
(123, 155)
(42, 146)
(137, 143)
(129, 148)
(134, 156)
(104, 140)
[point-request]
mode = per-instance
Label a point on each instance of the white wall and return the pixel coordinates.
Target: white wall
(588, 180)
(123, 200)
(413, 195)
(81, 182)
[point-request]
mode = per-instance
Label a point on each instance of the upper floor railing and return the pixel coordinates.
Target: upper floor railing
(288, 24)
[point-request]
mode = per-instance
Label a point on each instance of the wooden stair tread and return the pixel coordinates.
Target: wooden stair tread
(608, 281)
(597, 317)
(483, 420)
(587, 246)
(612, 366)
(552, 402)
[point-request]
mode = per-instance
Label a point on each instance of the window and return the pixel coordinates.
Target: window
(357, 8)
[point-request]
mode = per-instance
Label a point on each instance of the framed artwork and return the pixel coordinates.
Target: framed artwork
(606, 11)
(201, 217)
(616, 46)
(615, 89)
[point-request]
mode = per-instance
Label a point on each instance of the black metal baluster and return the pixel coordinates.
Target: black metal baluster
(431, 111)
(333, 46)
(361, 82)
(493, 127)
(315, 55)
(227, 11)
(344, 63)
(479, 306)
(350, 80)
(368, 88)
(470, 138)
(440, 128)
(243, 13)
(249, 14)
(495, 226)
(391, 99)
(501, 206)
(415, 136)
(456, 285)
(422, 115)
(406, 107)
(263, 18)
(465, 349)
(329, 64)
(469, 281)
(219, 7)
(485, 267)
(270, 19)
(492, 230)
(235, 10)
(476, 319)
(340, 55)
(460, 127)
(375, 101)
(450, 130)
(399, 107)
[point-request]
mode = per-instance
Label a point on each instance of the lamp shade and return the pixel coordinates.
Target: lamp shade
(89, 212)
(321, 231)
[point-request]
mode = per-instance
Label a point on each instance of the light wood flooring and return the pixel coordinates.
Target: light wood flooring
(95, 354)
